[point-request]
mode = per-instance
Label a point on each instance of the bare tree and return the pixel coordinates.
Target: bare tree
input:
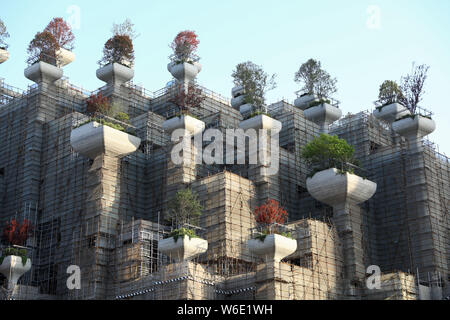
(125, 29)
(412, 87)
(315, 80)
(3, 35)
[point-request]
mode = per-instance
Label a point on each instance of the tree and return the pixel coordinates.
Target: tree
(16, 233)
(315, 80)
(3, 35)
(327, 152)
(125, 29)
(97, 103)
(43, 48)
(62, 32)
(390, 93)
(270, 213)
(118, 49)
(184, 208)
(412, 86)
(184, 47)
(255, 81)
(186, 101)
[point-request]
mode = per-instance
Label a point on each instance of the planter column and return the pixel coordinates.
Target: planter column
(344, 192)
(13, 268)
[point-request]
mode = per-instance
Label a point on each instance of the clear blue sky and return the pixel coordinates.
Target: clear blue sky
(279, 35)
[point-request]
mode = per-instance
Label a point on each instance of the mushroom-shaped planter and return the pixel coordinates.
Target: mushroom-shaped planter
(43, 71)
(274, 247)
(4, 55)
(304, 101)
(64, 57)
(261, 122)
(94, 139)
(323, 115)
(184, 71)
(13, 268)
(115, 73)
(191, 125)
(414, 127)
(391, 112)
(335, 188)
(184, 248)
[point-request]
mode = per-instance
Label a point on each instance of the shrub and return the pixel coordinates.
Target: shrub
(255, 81)
(186, 101)
(3, 35)
(122, 116)
(184, 208)
(270, 216)
(62, 33)
(14, 252)
(181, 232)
(118, 49)
(315, 80)
(327, 152)
(43, 48)
(184, 47)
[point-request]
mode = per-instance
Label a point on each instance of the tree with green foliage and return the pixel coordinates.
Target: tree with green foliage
(315, 80)
(184, 209)
(327, 151)
(255, 81)
(389, 93)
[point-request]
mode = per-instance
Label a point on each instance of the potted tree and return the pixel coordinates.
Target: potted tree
(4, 54)
(184, 65)
(42, 59)
(116, 65)
(389, 107)
(63, 35)
(13, 259)
(418, 122)
(333, 180)
(105, 131)
(186, 99)
(315, 99)
(184, 211)
(273, 243)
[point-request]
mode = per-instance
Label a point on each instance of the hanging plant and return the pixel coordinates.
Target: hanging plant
(43, 48)
(184, 47)
(62, 32)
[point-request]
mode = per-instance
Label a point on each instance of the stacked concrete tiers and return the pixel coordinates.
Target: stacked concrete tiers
(105, 213)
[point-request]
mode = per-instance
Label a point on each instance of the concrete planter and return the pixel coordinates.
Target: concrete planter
(323, 114)
(304, 101)
(413, 128)
(391, 112)
(4, 55)
(184, 72)
(237, 102)
(12, 268)
(115, 73)
(42, 71)
(64, 57)
(246, 108)
(261, 122)
(183, 249)
(274, 247)
(191, 125)
(237, 91)
(333, 188)
(94, 139)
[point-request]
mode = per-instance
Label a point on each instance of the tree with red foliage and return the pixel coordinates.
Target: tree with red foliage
(62, 33)
(97, 103)
(43, 48)
(188, 100)
(184, 46)
(118, 49)
(17, 234)
(270, 213)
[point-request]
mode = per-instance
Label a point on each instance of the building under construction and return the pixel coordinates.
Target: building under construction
(104, 211)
